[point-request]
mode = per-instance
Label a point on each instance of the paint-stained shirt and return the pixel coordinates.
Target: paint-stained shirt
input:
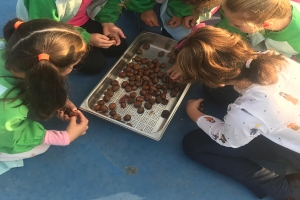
(272, 111)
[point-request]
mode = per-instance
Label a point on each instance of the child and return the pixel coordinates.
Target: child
(262, 124)
(79, 13)
(151, 19)
(269, 24)
(178, 17)
(37, 57)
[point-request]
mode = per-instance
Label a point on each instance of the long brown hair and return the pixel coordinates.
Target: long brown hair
(258, 11)
(43, 89)
(215, 56)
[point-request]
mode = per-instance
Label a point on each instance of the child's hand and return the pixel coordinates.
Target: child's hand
(101, 41)
(150, 18)
(75, 129)
(190, 21)
(174, 73)
(111, 29)
(68, 108)
(174, 22)
(193, 108)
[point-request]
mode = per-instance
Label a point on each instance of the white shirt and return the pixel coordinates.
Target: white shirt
(272, 111)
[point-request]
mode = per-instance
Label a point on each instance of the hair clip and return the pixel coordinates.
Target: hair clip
(43, 56)
(248, 62)
(17, 24)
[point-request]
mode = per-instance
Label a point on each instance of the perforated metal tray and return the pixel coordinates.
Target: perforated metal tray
(150, 123)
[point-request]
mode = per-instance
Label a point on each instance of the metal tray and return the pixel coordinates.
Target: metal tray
(150, 123)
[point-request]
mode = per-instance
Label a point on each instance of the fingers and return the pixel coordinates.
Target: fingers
(175, 74)
(186, 22)
(83, 119)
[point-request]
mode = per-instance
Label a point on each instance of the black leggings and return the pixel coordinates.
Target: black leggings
(222, 95)
(237, 164)
(95, 61)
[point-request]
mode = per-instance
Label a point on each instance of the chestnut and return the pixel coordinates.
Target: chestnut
(122, 74)
(133, 94)
(158, 99)
(162, 65)
(154, 61)
(109, 93)
(131, 64)
(101, 102)
(143, 92)
(140, 110)
(140, 98)
(148, 97)
(114, 82)
(117, 117)
(106, 98)
(164, 101)
(160, 74)
(112, 106)
(124, 84)
(148, 106)
(165, 114)
(161, 54)
(115, 87)
(163, 95)
(139, 51)
(127, 117)
(97, 107)
(111, 37)
(112, 113)
(146, 46)
(137, 58)
(123, 105)
(130, 100)
(128, 88)
(104, 109)
(152, 101)
(137, 104)
(170, 54)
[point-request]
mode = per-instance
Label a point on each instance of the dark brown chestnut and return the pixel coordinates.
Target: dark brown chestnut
(148, 105)
(146, 46)
(140, 110)
(165, 114)
(127, 117)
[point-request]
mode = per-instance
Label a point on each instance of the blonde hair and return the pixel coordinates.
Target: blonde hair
(215, 56)
(258, 11)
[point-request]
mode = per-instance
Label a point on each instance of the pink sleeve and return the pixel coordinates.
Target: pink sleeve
(59, 138)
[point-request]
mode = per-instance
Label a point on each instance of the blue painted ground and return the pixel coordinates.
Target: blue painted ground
(94, 166)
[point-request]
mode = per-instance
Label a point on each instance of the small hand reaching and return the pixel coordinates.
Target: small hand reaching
(190, 21)
(194, 108)
(150, 18)
(174, 22)
(116, 32)
(76, 129)
(174, 73)
(101, 41)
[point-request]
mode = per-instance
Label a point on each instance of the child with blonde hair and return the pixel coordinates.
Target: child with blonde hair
(262, 124)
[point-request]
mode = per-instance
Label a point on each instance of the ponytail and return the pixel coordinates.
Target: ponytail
(264, 68)
(9, 28)
(45, 89)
